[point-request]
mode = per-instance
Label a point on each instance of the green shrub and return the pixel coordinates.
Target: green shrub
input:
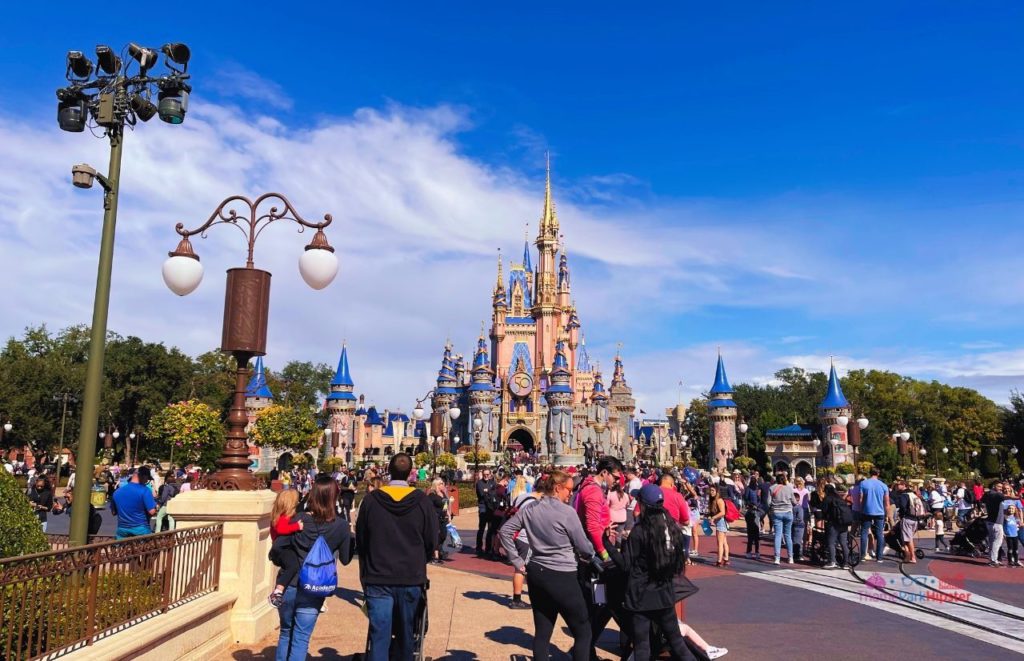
(472, 456)
(22, 533)
(52, 621)
(844, 468)
(422, 459)
(330, 464)
(744, 463)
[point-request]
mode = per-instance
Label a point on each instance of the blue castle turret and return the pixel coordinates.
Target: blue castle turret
(834, 406)
(722, 419)
(258, 382)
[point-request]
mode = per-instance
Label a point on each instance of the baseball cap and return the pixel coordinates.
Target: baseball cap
(650, 494)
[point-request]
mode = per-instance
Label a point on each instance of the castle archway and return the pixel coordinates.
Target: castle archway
(523, 437)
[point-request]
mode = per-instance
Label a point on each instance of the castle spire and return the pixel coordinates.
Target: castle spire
(721, 385)
(342, 385)
(258, 383)
(549, 219)
(527, 266)
(834, 397)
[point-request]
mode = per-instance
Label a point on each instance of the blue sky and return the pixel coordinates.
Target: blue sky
(788, 181)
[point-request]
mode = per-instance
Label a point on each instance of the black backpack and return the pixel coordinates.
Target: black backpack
(843, 514)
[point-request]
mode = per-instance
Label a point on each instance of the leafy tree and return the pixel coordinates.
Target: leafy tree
(422, 459)
(301, 384)
(285, 428)
(189, 431)
(695, 425)
(213, 379)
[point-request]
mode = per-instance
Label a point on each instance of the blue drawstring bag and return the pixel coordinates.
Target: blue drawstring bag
(705, 526)
(319, 575)
(454, 539)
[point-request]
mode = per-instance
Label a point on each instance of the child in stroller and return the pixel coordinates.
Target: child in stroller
(895, 542)
(971, 540)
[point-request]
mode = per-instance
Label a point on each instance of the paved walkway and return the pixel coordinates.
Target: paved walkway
(470, 619)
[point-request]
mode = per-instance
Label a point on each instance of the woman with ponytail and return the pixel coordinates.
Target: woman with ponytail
(651, 557)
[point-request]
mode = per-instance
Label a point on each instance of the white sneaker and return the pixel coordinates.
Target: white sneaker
(716, 652)
(869, 556)
(790, 559)
(831, 565)
(776, 561)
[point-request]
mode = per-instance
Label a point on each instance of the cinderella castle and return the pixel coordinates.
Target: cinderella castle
(531, 385)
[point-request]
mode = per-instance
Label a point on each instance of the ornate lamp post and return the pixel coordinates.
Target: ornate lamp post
(246, 306)
(107, 97)
(6, 429)
(744, 427)
(478, 425)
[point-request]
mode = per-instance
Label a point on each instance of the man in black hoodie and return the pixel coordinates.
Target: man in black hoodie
(396, 534)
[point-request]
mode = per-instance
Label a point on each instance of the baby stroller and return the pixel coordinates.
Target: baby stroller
(893, 541)
(819, 550)
(972, 540)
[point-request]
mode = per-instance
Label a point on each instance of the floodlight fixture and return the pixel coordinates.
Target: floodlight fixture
(143, 107)
(107, 60)
(177, 53)
(72, 111)
(146, 57)
(79, 66)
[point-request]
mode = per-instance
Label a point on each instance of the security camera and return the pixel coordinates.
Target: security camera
(83, 175)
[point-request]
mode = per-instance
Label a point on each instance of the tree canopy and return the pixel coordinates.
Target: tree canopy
(42, 369)
(936, 415)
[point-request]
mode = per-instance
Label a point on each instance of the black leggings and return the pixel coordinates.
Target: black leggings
(665, 620)
(1012, 545)
(554, 593)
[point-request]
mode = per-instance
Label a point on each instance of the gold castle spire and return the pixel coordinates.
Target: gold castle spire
(549, 220)
(501, 279)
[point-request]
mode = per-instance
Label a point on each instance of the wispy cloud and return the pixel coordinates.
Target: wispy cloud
(416, 227)
(232, 81)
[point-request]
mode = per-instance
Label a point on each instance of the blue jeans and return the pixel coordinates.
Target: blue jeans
(782, 522)
(876, 521)
(391, 608)
(298, 612)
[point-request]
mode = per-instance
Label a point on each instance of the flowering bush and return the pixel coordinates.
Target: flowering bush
(188, 431)
(285, 428)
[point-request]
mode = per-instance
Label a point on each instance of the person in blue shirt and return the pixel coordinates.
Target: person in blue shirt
(874, 509)
(134, 504)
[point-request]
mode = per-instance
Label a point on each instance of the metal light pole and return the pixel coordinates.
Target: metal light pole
(246, 306)
(112, 99)
(4, 430)
(744, 427)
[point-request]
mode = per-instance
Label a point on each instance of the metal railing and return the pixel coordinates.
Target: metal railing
(57, 601)
(61, 542)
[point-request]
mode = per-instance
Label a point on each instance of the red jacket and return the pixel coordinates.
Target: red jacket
(284, 526)
(592, 508)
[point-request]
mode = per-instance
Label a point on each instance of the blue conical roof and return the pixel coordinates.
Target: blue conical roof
(721, 385)
(834, 397)
(481, 359)
(560, 359)
(258, 383)
(526, 256)
(342, 377)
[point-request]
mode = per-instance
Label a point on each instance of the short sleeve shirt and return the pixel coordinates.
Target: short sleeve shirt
(134, 501)
(873, 491)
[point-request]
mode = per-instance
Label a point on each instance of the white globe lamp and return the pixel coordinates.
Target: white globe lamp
(182, 274)
(318, 266)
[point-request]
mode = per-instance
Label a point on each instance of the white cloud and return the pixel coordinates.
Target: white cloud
(232, 81)
(416, 224)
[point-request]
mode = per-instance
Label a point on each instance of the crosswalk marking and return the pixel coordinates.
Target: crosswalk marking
(844, 586)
